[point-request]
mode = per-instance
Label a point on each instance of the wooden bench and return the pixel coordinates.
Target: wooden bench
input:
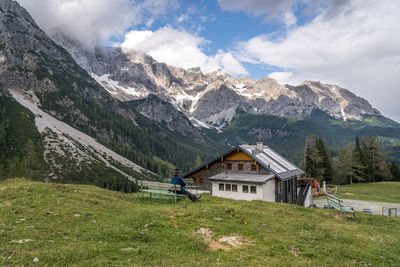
(161, 190)
(337, 204)
(190, 185)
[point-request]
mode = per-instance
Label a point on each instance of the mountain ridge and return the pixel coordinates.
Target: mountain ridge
(189, 90)
(33, 64)
(161, 117)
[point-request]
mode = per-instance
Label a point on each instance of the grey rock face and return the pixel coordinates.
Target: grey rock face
(164, 113)
(214, 97)
(31, 60)
(268, 134)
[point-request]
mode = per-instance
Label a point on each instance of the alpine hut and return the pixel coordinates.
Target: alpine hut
(249, 172)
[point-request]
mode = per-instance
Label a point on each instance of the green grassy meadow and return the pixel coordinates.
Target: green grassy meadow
(381, 191)
(80, 225)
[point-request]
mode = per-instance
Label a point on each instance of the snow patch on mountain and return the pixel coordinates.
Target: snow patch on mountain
(114, 88)
(223, 116)
(343, 114)
(134, 75)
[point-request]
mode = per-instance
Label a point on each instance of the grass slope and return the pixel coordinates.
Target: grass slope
(382, 191)
(83, 225)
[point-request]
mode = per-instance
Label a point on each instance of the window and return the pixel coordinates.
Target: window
(227, 187)
(229, 166)
(253, 189)
(201, 181)
(221, 187)
(234, 188)
(253, 167)
(240, 166)
(245, 189)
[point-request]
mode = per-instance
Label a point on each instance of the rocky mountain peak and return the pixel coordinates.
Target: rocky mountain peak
(12, 8)
(210, 97)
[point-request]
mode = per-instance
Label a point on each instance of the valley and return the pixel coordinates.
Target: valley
(152, 117)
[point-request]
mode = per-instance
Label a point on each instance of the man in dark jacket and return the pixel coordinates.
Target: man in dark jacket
(177, 180)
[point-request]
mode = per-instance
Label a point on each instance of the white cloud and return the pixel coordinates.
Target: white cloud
(271, 8)
(282, 77)
(93, 22)
(358, 49)
(181, 49)
(281, 10)
(289, 18)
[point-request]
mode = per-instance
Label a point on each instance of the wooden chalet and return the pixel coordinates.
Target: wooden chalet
(249, 172)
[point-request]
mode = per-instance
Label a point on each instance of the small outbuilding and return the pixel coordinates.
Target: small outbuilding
(250, 172)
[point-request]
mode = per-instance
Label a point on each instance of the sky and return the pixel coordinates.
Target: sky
(351, 43)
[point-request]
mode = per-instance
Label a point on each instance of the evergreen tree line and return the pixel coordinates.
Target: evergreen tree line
(359, 162)
(20, 142)
(137, 143)
(121, 185)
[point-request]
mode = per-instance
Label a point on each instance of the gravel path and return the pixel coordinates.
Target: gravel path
(359, 205)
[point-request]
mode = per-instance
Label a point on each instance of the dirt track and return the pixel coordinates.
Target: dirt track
(359, 205)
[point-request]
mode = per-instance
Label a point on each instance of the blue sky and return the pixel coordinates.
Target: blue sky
(351, 43)
(224, 29)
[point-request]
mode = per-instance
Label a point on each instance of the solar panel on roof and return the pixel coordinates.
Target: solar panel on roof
(272, 163)
(278, 164)
(280, 159)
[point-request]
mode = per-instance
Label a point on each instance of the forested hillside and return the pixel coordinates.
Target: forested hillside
(46, 74)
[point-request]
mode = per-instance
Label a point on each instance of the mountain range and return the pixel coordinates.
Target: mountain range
(113, 113)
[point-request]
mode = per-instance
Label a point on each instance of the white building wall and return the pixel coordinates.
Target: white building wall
(265, 191)
(269, 191)
(308, 201)
(239, 195)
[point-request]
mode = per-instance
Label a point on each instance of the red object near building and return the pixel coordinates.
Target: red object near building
(315, 185)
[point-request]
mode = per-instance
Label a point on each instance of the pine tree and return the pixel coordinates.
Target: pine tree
(31, 161)
(310, 159)
(114, 185)
(380, 170)
(324, 163)
(366, 160)
(342, 167)
(15, 167)
(357, 162)
(395, 171)
(348, 166)
(129, 188)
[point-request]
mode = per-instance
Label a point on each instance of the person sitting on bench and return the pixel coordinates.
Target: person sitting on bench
(177, 180)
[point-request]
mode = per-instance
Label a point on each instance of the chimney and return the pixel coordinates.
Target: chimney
(260, 146)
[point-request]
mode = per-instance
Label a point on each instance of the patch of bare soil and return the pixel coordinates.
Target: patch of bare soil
(234, 241)
(225, 243)
(361, 262)
(294, 250)
(5, 203)
(126, 249)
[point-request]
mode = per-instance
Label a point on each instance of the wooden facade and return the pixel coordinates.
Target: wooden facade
(238, 161)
